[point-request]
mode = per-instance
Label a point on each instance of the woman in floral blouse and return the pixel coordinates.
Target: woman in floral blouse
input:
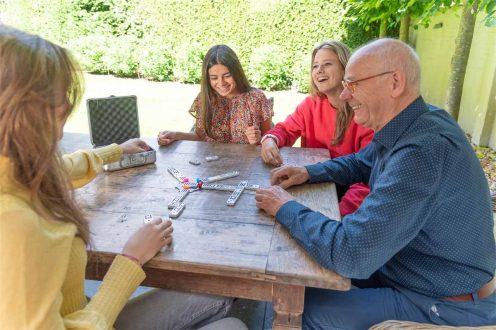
(228, 109)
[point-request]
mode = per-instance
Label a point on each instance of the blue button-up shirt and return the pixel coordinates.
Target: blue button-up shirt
(427, 223)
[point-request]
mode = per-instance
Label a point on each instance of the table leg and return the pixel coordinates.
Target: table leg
(287, 301)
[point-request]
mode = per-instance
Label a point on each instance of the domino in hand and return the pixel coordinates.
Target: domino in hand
(149, 218)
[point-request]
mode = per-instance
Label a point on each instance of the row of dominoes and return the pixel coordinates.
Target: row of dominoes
(176, 206)
(175, 173)
(183, 179)
(177, 199)
(231, 201)
(236, 193)
(225, 187)
(221, 177)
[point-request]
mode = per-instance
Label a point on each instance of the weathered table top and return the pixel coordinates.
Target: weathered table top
(210, 238)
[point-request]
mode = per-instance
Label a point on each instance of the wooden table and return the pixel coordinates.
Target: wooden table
(235, 251)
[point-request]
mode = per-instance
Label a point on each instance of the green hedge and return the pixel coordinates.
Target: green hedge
(156, 61)
(165, 40)
(189, 58)
(268, 68)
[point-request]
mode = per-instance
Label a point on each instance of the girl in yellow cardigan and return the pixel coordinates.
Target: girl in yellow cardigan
(43, 232)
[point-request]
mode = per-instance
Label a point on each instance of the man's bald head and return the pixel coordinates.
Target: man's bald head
(391, 55)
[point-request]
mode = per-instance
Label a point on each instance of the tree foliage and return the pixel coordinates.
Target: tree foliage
(488, 7)
(392, 13)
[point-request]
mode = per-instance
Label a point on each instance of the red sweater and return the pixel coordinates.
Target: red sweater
(314, 120)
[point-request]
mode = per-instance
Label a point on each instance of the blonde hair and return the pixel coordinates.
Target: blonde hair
(37, 76)
(344, 114)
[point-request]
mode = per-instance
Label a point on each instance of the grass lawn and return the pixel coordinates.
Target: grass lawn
(161, 105)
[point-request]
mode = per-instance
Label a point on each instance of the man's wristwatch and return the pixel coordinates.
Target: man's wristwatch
(269, 136)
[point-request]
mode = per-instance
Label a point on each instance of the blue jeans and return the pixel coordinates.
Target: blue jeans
(374, 302)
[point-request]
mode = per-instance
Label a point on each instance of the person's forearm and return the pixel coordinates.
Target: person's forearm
(187, 136)
(346, 170)
(84, 165)
(330, 171)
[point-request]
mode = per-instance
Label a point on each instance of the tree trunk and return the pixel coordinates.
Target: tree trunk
(383, 28)
(460, 57)
(404, 27)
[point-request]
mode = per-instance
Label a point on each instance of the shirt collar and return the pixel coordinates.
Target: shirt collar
(392, 131)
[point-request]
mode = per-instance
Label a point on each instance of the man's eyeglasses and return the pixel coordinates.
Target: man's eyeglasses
(351, 85)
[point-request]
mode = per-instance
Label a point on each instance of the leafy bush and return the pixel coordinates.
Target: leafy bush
(156, 62)
(268, 68)
(122, 58)
(301, 73)
(106, 33)
(189, 58)
(90, 51)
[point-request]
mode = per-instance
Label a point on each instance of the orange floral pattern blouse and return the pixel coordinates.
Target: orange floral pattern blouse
(231, 118)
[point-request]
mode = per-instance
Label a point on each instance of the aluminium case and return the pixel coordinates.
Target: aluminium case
(114, 119)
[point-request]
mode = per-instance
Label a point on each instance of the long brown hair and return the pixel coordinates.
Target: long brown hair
(219, 54)
(36, 76)
(345, 114)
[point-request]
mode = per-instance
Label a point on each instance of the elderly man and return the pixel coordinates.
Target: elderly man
(421, 246)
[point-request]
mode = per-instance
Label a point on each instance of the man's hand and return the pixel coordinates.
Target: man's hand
(272, 198)
(133, 146)
(270, 153)
(253, 134)
(287, 176)
(165, 138)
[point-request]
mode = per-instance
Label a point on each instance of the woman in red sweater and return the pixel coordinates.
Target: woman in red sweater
(323, 121)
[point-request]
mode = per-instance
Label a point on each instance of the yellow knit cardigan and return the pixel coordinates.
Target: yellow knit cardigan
(42, 263)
